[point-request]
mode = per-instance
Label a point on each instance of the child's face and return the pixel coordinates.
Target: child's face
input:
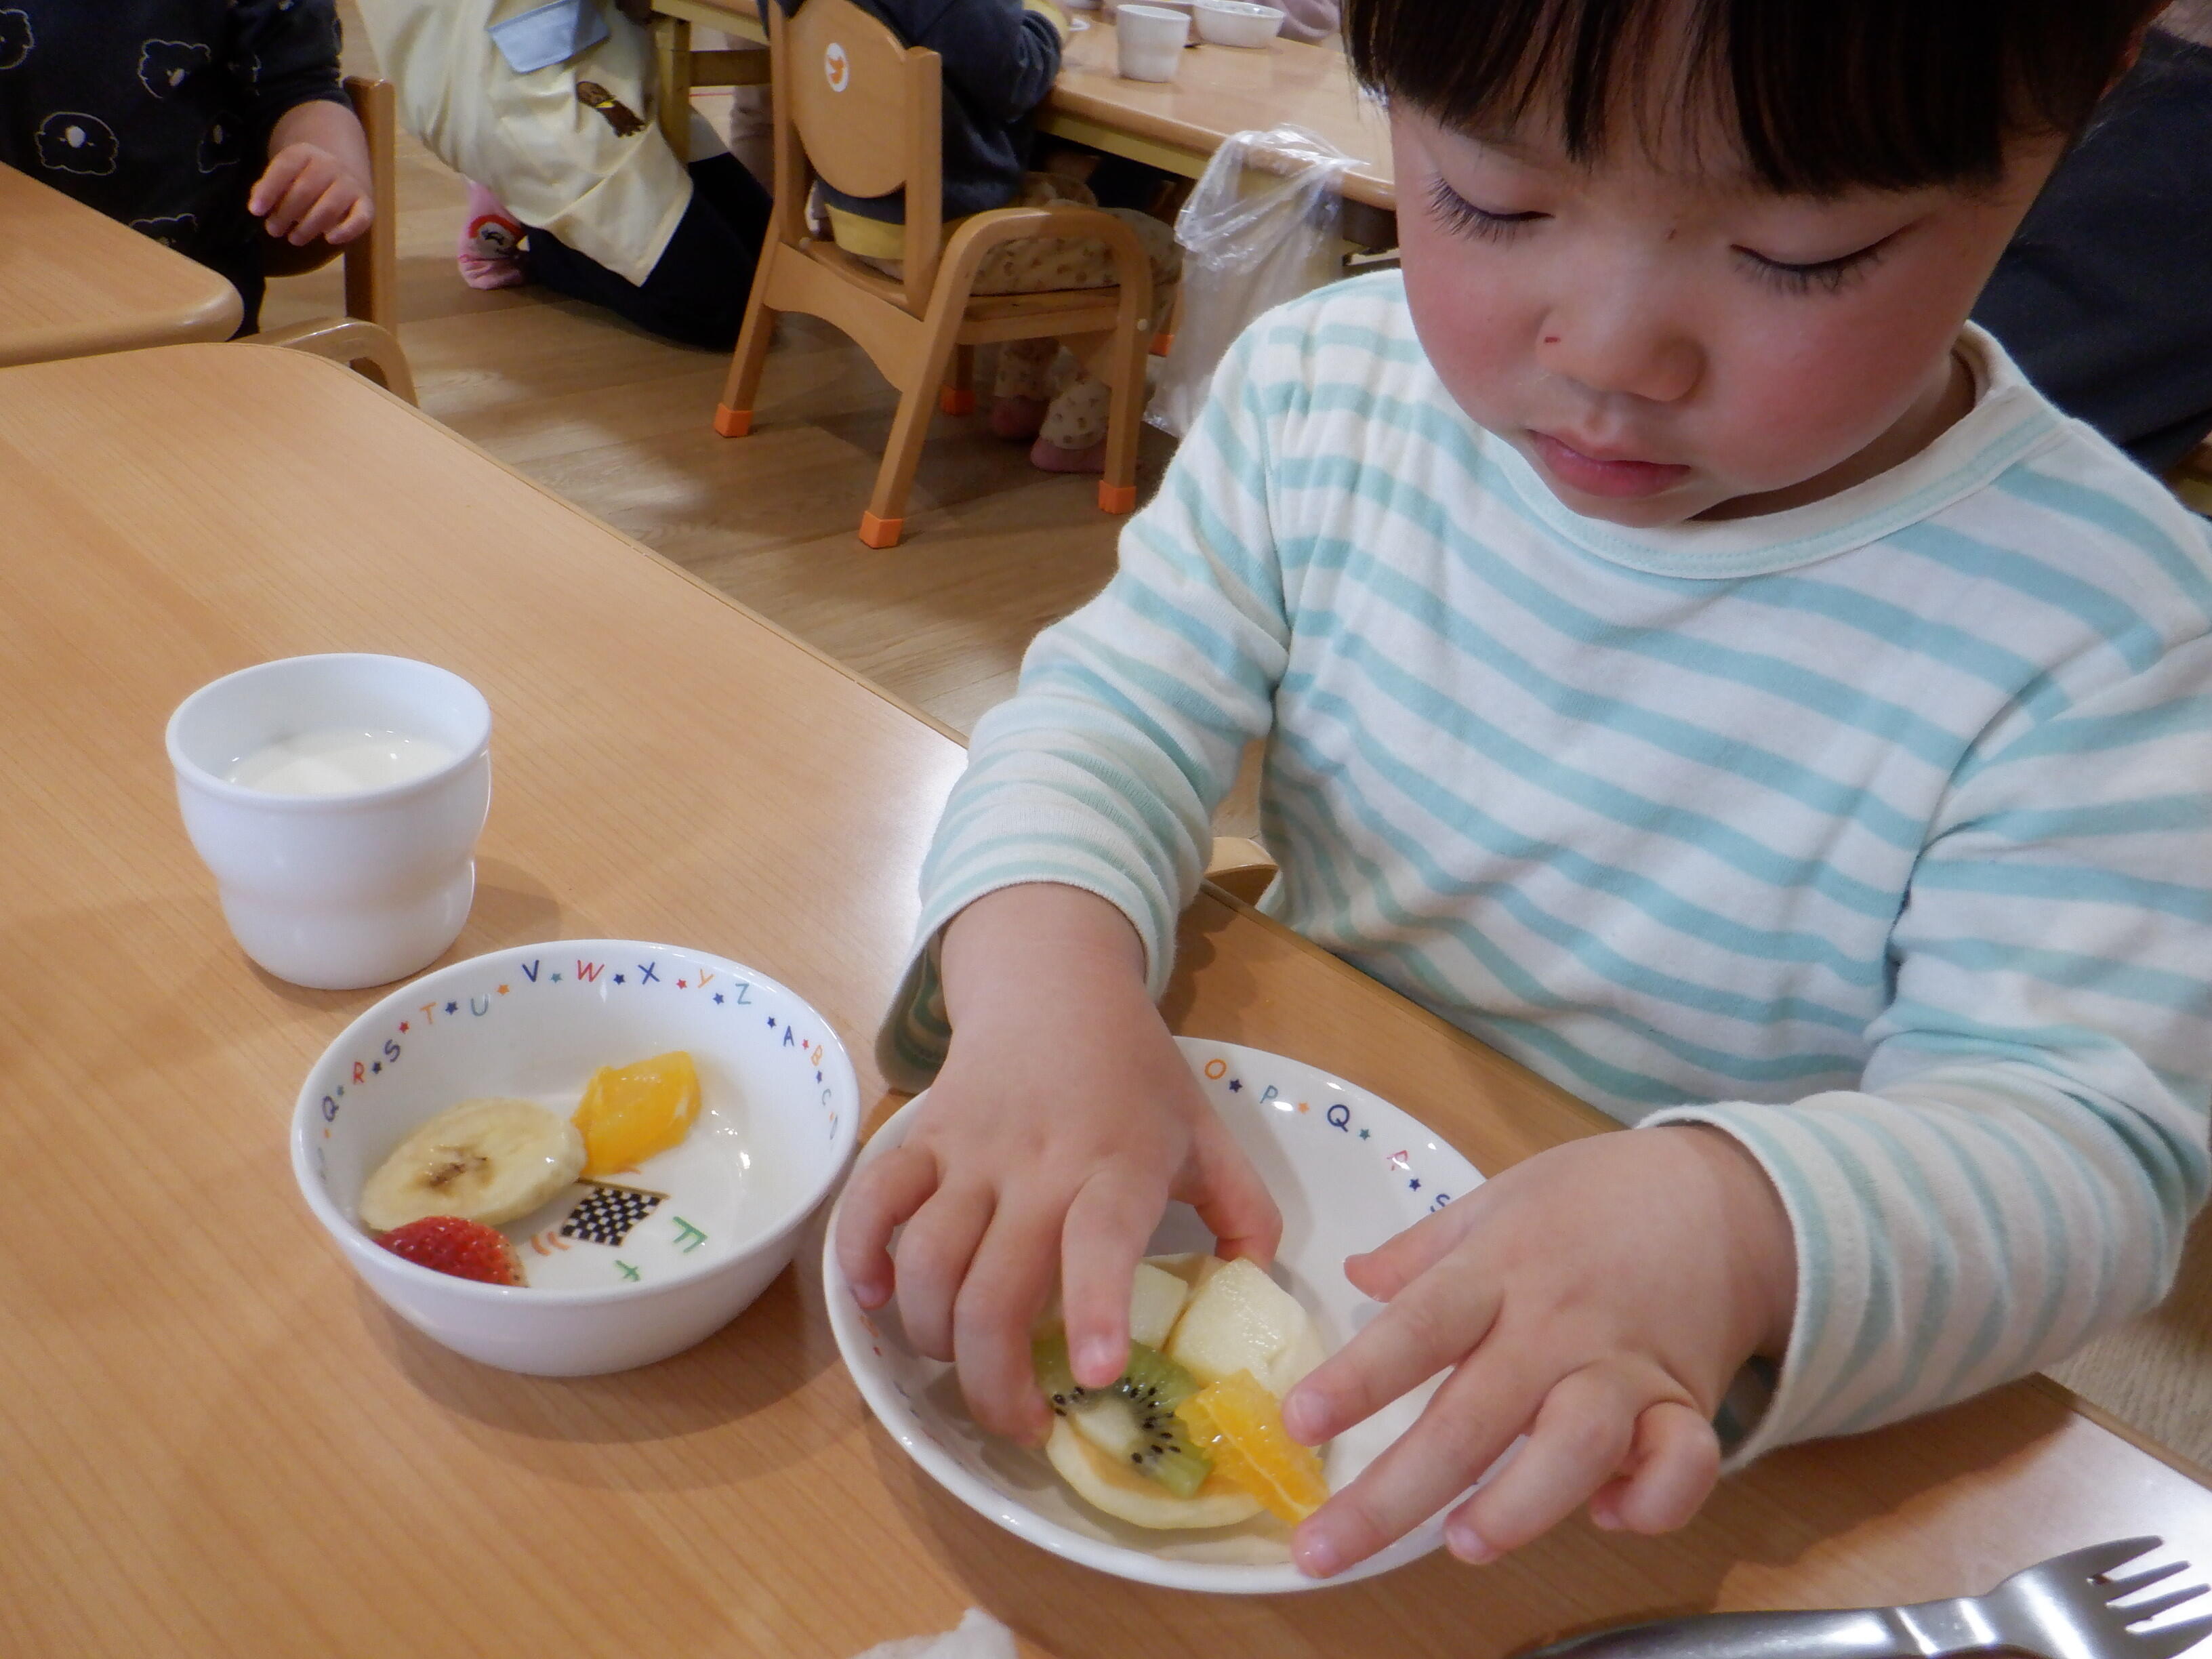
(1628, 326)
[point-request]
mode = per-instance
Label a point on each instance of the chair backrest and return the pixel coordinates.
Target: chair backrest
(861, 111)
(373, 263)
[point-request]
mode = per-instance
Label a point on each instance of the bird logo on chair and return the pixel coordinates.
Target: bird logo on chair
(837, 68)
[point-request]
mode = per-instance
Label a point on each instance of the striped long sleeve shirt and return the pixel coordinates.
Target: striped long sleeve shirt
(1876, 832)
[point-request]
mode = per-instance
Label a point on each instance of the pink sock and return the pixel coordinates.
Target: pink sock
(490, 246)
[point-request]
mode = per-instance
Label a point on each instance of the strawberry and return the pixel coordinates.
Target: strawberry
(449, 1245)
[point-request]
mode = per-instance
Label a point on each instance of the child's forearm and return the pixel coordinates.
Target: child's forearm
(328, 126)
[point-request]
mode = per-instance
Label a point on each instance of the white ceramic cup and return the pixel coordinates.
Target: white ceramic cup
(1150, 39)
(337, 891)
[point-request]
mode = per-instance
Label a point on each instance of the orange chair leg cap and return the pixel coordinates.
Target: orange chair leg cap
(1117, 498)
(881, 532)
(733, 422)
(1162, 344)
(956, 400)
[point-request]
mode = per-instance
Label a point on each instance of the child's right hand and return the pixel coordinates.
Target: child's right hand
(1064, 1120)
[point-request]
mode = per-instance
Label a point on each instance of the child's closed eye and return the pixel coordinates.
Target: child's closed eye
(1829, 275)
(1463, 218)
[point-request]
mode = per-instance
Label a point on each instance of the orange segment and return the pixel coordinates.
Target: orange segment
(1239, 1425)
(630, 1112)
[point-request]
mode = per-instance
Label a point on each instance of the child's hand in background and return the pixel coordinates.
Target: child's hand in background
(307, 193)
(319, 179)
(1064, 1120)
(1599, 1297)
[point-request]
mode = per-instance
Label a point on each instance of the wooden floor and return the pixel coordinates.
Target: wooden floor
(617, 422)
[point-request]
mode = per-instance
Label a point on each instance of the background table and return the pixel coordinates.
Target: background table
(1174, 125)
(74, 281)
(213, 1442)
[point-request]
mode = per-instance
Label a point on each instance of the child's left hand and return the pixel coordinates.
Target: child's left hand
(1598, 1297)
(308, 192)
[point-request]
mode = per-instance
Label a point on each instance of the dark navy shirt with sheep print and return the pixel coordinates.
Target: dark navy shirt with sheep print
(157, 112)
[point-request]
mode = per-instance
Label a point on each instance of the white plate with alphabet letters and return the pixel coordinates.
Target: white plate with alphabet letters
(1348, 1170)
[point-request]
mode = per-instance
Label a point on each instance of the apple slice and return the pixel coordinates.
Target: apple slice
(1155, 1298)
(1240, 1320)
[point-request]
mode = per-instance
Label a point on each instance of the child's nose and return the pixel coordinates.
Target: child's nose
(1620, 348)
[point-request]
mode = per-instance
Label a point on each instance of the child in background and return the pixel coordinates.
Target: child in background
(1694, 660)
(569, 156)
(155, 111)
(998, 60)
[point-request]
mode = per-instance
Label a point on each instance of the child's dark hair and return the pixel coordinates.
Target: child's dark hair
(1823, 95)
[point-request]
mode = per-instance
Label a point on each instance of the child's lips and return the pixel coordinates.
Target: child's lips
(1615, 476)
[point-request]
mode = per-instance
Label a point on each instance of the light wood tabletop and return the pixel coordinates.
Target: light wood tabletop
(213, 1442)
(73, 281)
(1176, 125)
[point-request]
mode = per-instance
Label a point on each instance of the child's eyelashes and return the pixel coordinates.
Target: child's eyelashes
(1829, 275)
(1462, 218)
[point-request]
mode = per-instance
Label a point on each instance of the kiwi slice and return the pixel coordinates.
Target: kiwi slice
(1133, 1416)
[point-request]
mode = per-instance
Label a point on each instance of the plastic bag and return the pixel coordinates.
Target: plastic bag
(1260, 229)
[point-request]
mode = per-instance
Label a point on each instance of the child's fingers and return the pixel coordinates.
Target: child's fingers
(1005, 1286)
(270, 187)
(1101, 1243)
(324, 215)
(883, 1196)
(1230, 1197)
(1672, 1466)
(1469, 1421)
(1387, 1269)
(357, 223)
(305, 191)
(934, 1254)
(1581, 1434)
(1432, 1323)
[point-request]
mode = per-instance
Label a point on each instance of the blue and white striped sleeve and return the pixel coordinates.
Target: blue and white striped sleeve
(2020, 1164)
(1104, 770)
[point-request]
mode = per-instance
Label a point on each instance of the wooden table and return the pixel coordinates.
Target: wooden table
(213, 1442)
(74, 281)
(1175, 125)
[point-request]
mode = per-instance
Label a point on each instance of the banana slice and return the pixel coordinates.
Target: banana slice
(1101, 1481)
(488, 1160)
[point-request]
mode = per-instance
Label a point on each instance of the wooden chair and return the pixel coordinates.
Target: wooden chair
(364, 338)
(860, 111)
(1240, 866)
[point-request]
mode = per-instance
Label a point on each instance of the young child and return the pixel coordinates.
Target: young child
(1691, 659)
(999, 60)
(152, 111)
(568, 155)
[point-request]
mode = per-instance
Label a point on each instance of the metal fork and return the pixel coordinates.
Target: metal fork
(2063, 1608)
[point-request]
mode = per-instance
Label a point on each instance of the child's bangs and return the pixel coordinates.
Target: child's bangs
(1819, 96)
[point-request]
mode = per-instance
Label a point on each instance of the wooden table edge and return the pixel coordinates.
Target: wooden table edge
(214, 319)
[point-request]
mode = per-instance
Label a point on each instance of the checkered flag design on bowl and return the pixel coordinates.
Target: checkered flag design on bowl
(607, 1213)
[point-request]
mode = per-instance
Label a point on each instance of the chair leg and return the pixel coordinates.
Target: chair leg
(958, 397)
(733, 416)
(883, 524)
(1125, 415)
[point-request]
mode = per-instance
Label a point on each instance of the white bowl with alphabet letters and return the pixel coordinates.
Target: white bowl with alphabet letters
(623, 1270)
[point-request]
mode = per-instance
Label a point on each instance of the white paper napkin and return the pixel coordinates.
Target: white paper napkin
(977, 1636)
